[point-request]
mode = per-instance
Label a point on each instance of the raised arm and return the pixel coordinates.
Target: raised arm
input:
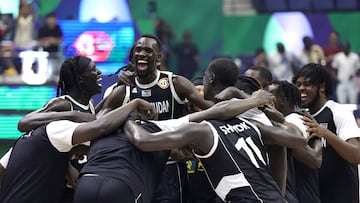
(112, 101)
(233, 92)
(197, 136)
(35, 120)
(186, 89)
(38, 118)
(232, 108)
(283, 136)
(111, 121)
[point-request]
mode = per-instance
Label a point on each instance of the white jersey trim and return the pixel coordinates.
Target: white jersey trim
(345, 123)
(85, 107)
(60, 134)
(227, 183)
(172, 123)
(215, 145)
(148, 85)
(109, 90)
(5, 159)
(172, 88)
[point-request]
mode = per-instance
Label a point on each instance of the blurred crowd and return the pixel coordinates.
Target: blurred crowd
(27, 32)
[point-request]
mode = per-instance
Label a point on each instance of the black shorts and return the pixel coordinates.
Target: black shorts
(99, 189)
(172, 187)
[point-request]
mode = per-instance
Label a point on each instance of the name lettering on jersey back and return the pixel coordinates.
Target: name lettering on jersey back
(237, 128)
(162, 106)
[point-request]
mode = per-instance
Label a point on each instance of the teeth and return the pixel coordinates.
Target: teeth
(99, 79)
(142, 61)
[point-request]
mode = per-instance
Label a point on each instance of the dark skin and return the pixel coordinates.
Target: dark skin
(311, 156)
(60, 109)
(145, 59)
(88, 87)
(199, 136)
(314, 97)
(223, 111)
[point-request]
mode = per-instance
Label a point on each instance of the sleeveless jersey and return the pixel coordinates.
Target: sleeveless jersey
(302, 183)
(115, 157)
(161, 93)
(36, 170)
(76, 106)
(237, 165)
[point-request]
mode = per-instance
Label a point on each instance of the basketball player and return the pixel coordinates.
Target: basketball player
(338, 175)
(167, 92)
(231, 151)
(38, 162)
(302, 183)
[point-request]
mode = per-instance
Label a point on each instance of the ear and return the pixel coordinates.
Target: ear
(322, 87)
(281, 101)
(212, 78)
(158, 57)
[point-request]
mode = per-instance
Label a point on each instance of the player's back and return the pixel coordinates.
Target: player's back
(237, 164)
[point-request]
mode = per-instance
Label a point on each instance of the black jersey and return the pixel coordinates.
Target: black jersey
(237, 165)
(302, 182)
(35, 172)
(113, 156)
(338, 178)
(161, 93)
(307, 182)
(290, 193)
(76, 106)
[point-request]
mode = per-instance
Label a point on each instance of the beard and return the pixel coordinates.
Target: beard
(146, 72)
(313, 102)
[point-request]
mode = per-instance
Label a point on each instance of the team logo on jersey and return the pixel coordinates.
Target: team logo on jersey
(134, 90)
(163, 83)
(146, 93)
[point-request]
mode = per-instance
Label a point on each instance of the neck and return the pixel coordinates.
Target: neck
(147, 79)
(217, 90)
(80, 97)
(317, 106)
(287, 110)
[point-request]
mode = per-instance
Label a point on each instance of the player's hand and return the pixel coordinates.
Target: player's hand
(231, 92)
(263, 97)
(127, 78)
(145, 110)
(314, 128)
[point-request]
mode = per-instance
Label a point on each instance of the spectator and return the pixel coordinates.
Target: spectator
(50, 38)
(7, 66)
(330, 50)
(260, 58)
(165, 33)
(187, 56)
(50, 35)
(347, 65)
(24, 28)
(282, 64)
(311, 53)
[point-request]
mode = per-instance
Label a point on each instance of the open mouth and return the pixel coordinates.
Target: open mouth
(142, 65)
(303, 97)
(98, 80)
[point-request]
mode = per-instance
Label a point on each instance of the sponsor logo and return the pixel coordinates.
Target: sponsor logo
(163, 83)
